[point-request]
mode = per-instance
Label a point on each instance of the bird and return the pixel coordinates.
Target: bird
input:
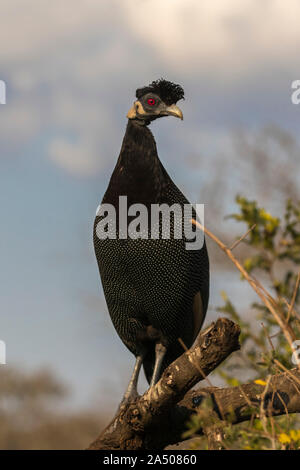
(156, 290)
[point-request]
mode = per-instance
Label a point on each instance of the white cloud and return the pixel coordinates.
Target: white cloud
(72, 70)
(18, 123)
(76, 157)
(227, 36)
(35, 27)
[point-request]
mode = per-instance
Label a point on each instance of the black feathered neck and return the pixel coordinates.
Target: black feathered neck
(169, 92)
(138, 174)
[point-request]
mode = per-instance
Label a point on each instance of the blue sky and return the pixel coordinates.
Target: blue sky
(71, 73)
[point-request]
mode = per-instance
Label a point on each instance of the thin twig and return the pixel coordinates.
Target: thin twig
(293, 298)
(287, 331)
(293, 311)
(283, 404)
(237, 242)
(268, 337)
(260, 286)
(288, 372)
(262, 413)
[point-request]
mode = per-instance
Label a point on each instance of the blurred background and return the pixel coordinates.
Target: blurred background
(71, 70)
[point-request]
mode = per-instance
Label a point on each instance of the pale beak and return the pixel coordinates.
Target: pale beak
(132, 112)
(173, 110)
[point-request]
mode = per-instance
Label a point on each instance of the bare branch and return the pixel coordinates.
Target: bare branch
(291, 307)
(269, 302)
(131, 427)
(158, 418)
(237, 242)
(279, 399)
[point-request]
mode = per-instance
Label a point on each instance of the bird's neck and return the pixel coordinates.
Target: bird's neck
(138, 148)
(139, 173)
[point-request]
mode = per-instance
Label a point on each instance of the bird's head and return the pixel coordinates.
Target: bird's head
(156, 100)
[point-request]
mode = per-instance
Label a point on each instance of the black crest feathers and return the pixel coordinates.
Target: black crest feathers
(169, 92)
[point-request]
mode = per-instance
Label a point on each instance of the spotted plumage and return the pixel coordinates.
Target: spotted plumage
(156, 290)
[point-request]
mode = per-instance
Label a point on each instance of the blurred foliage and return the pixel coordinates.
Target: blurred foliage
(29, 402)
(273, 257)
(30, 417)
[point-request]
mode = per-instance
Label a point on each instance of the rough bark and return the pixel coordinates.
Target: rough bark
(158, 418)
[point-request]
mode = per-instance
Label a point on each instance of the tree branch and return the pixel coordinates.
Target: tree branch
(241, 403)
(159, 417)
(267, 299)
(141, 425)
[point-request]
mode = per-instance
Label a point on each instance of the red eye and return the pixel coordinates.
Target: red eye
(151, 101)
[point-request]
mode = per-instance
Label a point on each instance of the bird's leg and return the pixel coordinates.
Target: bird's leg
(160, 351)
(131, 392)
